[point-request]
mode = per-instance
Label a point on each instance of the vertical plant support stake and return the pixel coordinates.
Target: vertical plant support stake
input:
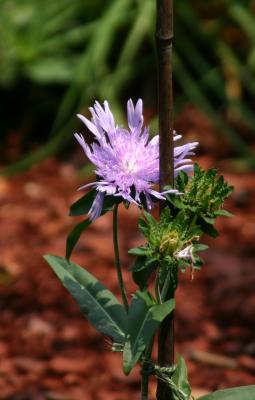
(164, 37)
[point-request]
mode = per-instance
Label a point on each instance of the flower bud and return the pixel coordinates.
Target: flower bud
(169, 243)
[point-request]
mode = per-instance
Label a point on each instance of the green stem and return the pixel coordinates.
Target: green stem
(145, 374)
(117, 257)
(144, 386)
(165, 287)
(157, 288)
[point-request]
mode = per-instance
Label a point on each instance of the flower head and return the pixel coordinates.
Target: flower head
(126, 160)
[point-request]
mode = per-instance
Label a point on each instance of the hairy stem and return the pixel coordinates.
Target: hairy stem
(117, 257)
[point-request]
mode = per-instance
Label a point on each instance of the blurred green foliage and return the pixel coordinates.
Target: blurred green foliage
(73, 52)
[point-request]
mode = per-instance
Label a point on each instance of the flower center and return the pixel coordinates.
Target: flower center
(130, 166)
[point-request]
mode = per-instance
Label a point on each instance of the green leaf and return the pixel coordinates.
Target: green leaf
(238, 393)
(109, 202)
(144, 317)
(197, 169)
(180, 378)
(74, 236)
(83, 205)
(139, 251)
(176, 200)
(196, 231)
(200, 247)
(143, 226)
(150, 218)
(208, 228)
(209, 220)
(222, 213)
(142, 270)
(139, 264)
(126, 204)
(97, 303)
(182, 181)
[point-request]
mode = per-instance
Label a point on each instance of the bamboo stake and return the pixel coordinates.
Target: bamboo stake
(164, 37)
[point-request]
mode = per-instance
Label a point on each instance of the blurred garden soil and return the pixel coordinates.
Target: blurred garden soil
(49, 351)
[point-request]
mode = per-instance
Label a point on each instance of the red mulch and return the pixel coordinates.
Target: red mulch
(48, 351)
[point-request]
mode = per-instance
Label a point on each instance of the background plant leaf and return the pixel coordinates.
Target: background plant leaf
(101, 49)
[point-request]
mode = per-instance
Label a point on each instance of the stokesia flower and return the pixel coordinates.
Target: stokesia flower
(126, 160)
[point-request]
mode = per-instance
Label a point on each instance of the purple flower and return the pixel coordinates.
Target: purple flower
(126, 160)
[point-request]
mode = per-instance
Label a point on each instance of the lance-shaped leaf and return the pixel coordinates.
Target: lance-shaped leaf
(83, 205)
(74, 236)
(180, 378)
(97, 303)
(222, 213)
(238, 393)
(142, 270)
(140, 251)
(144, 317)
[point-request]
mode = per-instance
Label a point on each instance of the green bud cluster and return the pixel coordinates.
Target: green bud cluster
(173, 241)
(203, 197)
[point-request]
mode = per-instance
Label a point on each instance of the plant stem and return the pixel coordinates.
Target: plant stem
(157, 289)
(145, 374)
(117, 257)
(164, 36)
(166, 352)
(144, 386)
(165, 287)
